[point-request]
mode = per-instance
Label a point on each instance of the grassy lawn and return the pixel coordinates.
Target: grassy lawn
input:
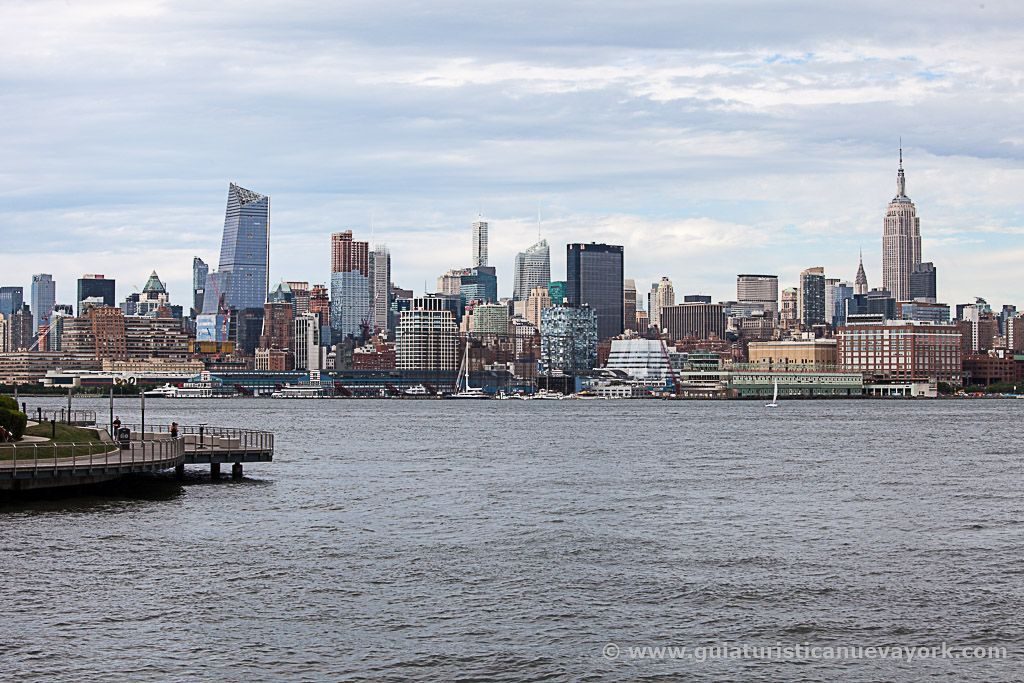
(65, 433)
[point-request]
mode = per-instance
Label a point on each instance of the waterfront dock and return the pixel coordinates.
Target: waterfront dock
(49, 465)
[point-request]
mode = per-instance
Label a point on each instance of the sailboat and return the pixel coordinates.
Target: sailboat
(775, 397)
(462, 388)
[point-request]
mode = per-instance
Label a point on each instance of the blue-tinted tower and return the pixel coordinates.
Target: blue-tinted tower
(245, 248)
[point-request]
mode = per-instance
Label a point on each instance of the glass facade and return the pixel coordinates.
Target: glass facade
(595, 278)
(245, 248)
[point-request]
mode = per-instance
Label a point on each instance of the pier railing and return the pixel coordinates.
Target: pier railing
(95, 456)
(63, 416)
(206, 436)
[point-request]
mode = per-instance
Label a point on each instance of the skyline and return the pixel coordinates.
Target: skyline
(769, 150)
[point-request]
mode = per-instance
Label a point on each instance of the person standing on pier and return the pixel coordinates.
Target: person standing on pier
(174, 430)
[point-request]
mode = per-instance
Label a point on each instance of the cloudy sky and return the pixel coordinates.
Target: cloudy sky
(709, 139)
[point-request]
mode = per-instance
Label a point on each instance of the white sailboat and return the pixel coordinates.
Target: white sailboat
(462, 388)
(775, 397)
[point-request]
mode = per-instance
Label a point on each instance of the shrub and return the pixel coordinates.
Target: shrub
(13, 421)
(8, 403)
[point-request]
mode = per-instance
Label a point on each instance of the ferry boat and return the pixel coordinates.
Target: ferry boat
(418, 390)
(166, 391)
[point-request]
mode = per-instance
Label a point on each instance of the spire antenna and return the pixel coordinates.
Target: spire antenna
(901, 151)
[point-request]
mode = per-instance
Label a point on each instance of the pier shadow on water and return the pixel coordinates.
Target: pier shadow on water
(136, 487)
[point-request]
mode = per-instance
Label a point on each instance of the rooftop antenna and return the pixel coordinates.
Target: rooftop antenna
(901, 151)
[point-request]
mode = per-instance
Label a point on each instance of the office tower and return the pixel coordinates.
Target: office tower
(831, 285)
(860, 282)
(922, 282)
(568, 339)
(245, 248)
(533, 269)
(152, 300)
(480, 284)
(760, 290)
(380, 289)
(95, 287)
(306, 342)
(278, 326)
(694, 320)
(451, 282)
(479, 244)
(662, 294)
(843, 291)
(696, 299)
(43, 298)
(811, 297)
(490, 320)
(300, 296)
(629, 305)
(558, 290)
(320, 304)
(427, 337)
(925, 311)
(789, 314)
(200, 270)
(350, 286)
(19, 335)
(11, 300)
(538, 300)
(901, 240)
(595, 278)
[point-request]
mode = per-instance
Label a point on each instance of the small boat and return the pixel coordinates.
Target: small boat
(418, 390)
(547, 395)
(775, 397)
(310, 389)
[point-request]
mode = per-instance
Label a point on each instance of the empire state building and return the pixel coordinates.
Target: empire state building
(901, 240)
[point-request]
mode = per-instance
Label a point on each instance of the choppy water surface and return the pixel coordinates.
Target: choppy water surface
(428, 540)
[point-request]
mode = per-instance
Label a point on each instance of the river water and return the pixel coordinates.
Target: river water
(512, 540)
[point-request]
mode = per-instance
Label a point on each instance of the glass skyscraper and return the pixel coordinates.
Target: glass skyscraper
(44, 296)
(595, 278)
(245, 248)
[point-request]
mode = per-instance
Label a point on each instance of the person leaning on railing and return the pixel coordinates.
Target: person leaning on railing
(174, 430)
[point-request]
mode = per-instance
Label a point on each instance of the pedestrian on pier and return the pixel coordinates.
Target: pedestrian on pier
(117, 423)
(174, 430)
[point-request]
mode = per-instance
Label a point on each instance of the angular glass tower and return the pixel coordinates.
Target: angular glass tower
(245, 248)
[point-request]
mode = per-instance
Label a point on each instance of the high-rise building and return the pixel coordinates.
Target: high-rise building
(901, 240)
(278, 327)
(153, 300)
(18, 332)
(924, 310)
(533, 269)
(96, 287)
(320, 304)
(348, 254)
(558, 290)
(245, 248)
(789, 314)
(300, 296)
(306, 342)
(922, 282)
(490, 320)
(479, 284)
(831, 287)
(860, 282)
(901, 350)
(538, 300)
(568, 339)
(760, 290)
(427, 337)
(629, 305)
(662, 294)
(350, 286)
(200, 270)
(843, 291)
(595, 278)
(380, 289)
(694, 320)
(11, 300)
(811, 297)
(43, 298)
(479, 257)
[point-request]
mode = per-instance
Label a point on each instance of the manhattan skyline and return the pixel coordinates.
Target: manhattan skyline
(705, 149)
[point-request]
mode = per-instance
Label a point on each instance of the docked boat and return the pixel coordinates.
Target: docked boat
(418, 390)
(462, 388)
(166, 391)
(311, 389)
